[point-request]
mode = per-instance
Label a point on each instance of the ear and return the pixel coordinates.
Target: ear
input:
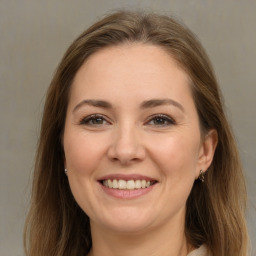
(207, 150)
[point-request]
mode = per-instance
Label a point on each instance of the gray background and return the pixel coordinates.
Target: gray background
(33, 38)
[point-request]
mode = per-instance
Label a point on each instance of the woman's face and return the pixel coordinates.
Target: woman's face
(132, 140)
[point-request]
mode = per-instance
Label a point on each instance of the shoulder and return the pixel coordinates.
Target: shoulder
(201, 251)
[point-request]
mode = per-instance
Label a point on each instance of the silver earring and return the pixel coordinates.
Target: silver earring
(66, 171)
(201, 175)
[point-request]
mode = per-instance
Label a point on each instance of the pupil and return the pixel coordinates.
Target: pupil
(159, 121)
(97, 121)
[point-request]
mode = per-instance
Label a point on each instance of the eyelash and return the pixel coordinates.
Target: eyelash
(166, 120)
(87, 120)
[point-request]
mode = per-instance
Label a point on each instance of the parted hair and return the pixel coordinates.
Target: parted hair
(215, 209)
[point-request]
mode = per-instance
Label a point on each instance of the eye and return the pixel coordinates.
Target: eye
(161, 120)
(94, 120)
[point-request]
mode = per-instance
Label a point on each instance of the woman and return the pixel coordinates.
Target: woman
(136, 156)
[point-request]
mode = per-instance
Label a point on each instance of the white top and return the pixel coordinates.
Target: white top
(201, 251)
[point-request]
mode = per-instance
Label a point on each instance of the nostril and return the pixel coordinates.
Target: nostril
(126, 149)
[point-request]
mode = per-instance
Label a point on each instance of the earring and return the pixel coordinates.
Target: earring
(201, 175)
(66, 171)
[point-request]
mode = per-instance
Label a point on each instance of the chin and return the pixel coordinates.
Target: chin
(131, 221)
(128, 227)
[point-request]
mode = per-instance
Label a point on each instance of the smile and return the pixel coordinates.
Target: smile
(123, 186)
(127, 185)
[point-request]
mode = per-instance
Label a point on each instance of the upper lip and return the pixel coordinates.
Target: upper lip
(126, 177)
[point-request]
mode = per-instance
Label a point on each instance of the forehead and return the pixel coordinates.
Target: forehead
(136, 52)
(129, 65)
(128, 75)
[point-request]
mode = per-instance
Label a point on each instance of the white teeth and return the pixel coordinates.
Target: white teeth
(115, 184)
(130, 184)
(137, 184)
(109, 184)
(122, 184)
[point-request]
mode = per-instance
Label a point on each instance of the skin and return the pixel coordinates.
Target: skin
(127, 139)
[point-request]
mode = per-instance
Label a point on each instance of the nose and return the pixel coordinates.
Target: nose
(126, 146)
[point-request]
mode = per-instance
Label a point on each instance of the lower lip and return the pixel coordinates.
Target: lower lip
(126, 193)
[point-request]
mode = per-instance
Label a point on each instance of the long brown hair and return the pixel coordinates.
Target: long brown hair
(215, 209)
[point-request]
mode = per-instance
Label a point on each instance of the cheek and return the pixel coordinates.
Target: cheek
(82, 153)
(177, 156)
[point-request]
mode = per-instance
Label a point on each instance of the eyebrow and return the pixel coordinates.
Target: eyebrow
(145, 104)
(159, 102)
(94, 103)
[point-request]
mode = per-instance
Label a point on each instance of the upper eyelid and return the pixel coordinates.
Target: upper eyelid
(92, 116)
(87, 118)
(160, 115)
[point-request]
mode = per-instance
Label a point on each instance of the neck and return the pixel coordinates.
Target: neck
(167, 240)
